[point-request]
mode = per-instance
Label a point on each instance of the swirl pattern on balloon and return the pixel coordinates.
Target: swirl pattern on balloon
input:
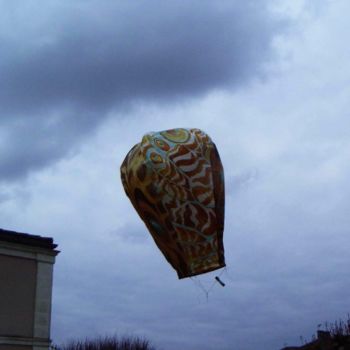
(175, 181)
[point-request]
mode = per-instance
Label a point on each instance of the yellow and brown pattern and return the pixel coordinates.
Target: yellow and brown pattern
(175, 181)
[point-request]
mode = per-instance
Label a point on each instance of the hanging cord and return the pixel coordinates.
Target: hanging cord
(199, 285)
(227, 274)
(205, 290)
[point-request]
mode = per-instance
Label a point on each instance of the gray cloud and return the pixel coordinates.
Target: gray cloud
(31, 142)
(64, 67)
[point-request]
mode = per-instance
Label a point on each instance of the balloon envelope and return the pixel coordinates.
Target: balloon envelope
(175, 181)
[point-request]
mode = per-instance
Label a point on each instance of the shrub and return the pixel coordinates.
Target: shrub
(107, 343)
(339, 329)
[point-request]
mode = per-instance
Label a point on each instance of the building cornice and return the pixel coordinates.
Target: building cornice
(28, 252)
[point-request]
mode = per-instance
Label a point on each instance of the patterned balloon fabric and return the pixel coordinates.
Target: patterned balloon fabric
(175, 181)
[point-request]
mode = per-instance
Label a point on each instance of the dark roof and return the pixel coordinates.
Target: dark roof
(27, 239)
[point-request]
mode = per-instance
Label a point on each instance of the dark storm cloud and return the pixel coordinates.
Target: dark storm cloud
(59, 78)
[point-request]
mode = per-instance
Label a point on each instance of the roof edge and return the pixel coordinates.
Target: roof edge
(27, 239)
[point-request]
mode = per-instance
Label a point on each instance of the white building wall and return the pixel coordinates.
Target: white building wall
(45, 260)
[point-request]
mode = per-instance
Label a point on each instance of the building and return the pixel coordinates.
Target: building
(26, 270)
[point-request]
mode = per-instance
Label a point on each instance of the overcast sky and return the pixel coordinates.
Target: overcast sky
(269, 81)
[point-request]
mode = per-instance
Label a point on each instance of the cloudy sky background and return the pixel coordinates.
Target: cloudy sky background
(82, 81)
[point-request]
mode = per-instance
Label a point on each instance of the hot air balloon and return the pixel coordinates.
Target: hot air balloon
(175, 181)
